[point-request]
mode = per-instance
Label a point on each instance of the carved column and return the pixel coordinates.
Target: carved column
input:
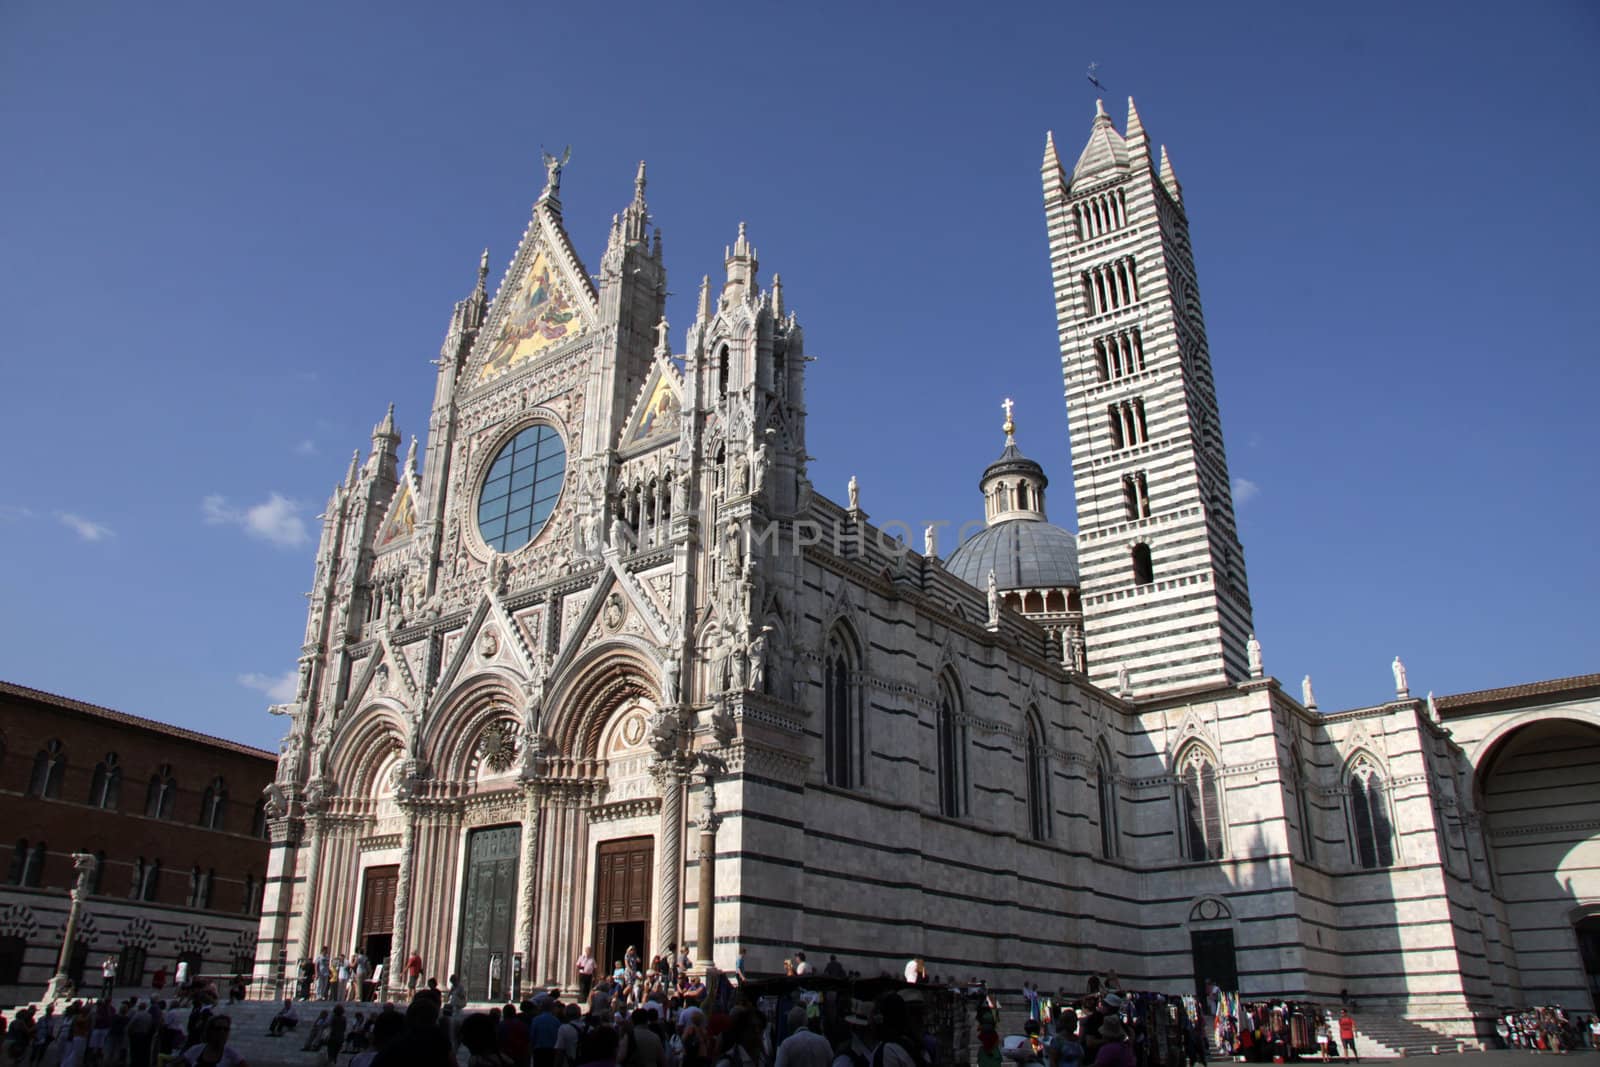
(706, 905)
(308, 905)
(60, 985)
(399, 944)
(530, 879)
(669, 852)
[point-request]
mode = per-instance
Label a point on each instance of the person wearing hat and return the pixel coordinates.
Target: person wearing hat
(1114, 1048)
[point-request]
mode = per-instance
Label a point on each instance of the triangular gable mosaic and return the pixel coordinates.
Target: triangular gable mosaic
(541, 312)
(402, 517)
(656, 414)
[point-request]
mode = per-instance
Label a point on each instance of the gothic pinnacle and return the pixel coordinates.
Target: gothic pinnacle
(777, 296)
(1135, 128)
(355, 470)
(638, 184)
(483, 269)
(1169, 177)
(704, 314)
(1050, 148)
(386, 427)
(1100, 115)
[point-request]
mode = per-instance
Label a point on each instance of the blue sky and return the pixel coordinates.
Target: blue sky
(230, 235)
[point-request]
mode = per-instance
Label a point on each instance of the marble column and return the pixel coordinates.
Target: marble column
(706, 904)
(669, 854)
(308, 901)
(530, 880)
(60, 985)
(400, 943)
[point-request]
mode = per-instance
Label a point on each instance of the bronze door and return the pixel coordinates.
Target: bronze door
(622, 898)
(489, 912)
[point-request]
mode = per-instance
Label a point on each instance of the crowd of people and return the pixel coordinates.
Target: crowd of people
(1547, 1030)
(102, 1033)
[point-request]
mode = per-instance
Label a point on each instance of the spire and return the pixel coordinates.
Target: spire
(1106, 149)
(1135, 128)
(1169, 177)
(385, 430)
(355, 470)
(1050, 156)
(703, 314)
(483, 270)
(742, 267)
(636, 216)
(638, 185)
(411, 454)
(777, 296)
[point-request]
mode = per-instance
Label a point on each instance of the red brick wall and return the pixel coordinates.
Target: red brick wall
(70, 824)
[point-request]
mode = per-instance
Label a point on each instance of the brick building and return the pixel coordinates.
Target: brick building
(175, 818)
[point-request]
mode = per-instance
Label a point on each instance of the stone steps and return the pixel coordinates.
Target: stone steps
(1391, 1036)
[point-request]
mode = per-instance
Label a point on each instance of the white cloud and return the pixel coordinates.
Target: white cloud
(14, 513)
(1244, 491)
(280, 690)
(276, 520)
(306, 447)
(86, 530)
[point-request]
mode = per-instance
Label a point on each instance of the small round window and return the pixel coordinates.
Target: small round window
(521, 488)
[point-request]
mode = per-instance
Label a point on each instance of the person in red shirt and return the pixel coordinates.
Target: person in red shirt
(413, 971)
(1347, 1036)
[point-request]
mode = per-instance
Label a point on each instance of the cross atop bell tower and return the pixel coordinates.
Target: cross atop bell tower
(1163, 579)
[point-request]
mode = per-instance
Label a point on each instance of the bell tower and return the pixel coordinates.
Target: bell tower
(1163, 578)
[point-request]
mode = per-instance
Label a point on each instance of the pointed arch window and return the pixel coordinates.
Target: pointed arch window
(105, 788)
(248, 904)
(258, 818)
(1038, 775)
(1105, 788)
(98, 877)
(723, 359)
(213, 803)
(161, 794)
(841, 725)
(1302, 790)
(149, 883)
(49, 769)
(33, 864)
(1200, 805)
(19, 862)
(952, 737)
(1371, 830)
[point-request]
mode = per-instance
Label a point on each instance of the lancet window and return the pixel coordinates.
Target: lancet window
(1371, 829)
(1200, 805)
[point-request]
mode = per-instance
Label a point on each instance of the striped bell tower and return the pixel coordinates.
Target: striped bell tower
(1164, 592)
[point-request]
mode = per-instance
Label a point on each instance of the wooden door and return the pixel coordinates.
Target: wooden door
(377, 902)
(622, 891)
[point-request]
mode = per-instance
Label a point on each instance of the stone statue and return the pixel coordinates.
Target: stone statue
(758, 660)
(854, 489)
(1433, 709)
(1075, 649)
(552, 172)
(1124, 685)
(1400, 688)
(741, 474)
(758, 469)
(1307, 697)
(662, 344)
(593, 538)
(1252, 649)
(680, 496)
(930, 542)
(669, 683)
(994, 601)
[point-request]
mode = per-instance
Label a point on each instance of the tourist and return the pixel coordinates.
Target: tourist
(308, 974)
(897, 1046)
(141, 1035)
(805, 1046)
(788, 968)
(336, 1031)
(567, 1035)
(1324, 1036)
(385, 1029)
(423, 1040)
(458, 995)
(213, 1049)
(801, 966)
(108, 977)
(639, 1045)
(833, 968)
(741, 1042)
(1115, 1050)
(286, 1019)
(1064, 1049)
(1347, 1035)
(413, 971)
(363, 971)
(598, 1048)
(324, 973)
(319, 1026)
(541, 1035)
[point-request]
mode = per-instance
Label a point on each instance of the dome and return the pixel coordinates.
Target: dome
(1023, 555)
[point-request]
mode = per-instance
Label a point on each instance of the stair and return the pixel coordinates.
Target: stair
(1382, 1036)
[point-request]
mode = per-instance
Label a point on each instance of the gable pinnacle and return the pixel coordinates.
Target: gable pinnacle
(1050, 148)
(704, 311)
(1100, 113)
(483, 269)
(355, 470)
(638, 184)
(1169, 177)
(386, 427)
(1134, 129)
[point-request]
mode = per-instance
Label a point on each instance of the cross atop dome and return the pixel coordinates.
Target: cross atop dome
(1010, 426)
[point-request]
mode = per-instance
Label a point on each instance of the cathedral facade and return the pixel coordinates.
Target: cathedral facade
(602, 667)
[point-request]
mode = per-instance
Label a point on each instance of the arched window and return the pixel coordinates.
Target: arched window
(105, 789)
(161, 794)
(150, 880)
(1200, 802)
(722, 371)
(1143, 567)
(258, 818)
(1038, 775)
(1302, 791)
(213, 802)
(19, 862)
(1369, 816)
(1105, 788)
(840, 721)
(33, 868)
(952, 732)
(137, 884)
(248, 904)
(49, 768)
(99, 869)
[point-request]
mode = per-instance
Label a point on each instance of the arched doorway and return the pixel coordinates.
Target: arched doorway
(1538, 792)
